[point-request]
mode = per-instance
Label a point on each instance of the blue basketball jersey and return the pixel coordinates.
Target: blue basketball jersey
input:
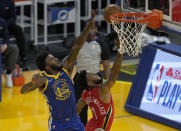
(60, 96)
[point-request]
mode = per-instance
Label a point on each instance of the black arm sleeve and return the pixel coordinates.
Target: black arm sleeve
(105, 52)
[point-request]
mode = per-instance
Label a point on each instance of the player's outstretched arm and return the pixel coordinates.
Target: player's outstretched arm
(80, 104)
(37, 82)
(70, 59)
(114, 72)
(106, 65)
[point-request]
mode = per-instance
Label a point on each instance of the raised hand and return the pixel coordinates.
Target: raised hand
(119, 46)
(93, 14)
(91, 20)
(78, 43)
(117, 43)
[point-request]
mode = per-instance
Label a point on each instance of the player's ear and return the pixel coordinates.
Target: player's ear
(47, 67)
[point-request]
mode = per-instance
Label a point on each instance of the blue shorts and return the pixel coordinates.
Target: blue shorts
(72, 123)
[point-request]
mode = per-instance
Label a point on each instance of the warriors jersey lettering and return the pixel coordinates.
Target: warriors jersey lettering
(103, 114)
(59, 93)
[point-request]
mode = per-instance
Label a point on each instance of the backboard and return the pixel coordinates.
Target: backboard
(171, 10)
(155, 93)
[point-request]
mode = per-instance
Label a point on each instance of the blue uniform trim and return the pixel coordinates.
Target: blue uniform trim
(52, 75)
(46, 85)
(66, 71)
(73, 120)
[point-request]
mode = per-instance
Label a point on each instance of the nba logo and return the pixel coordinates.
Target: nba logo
(61, 15)
(156, 77)
(150, 93)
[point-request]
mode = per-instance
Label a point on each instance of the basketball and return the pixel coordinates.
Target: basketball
(109, 10)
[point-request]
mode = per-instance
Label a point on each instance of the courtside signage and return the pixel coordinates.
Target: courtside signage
(61, 15)
(156, 89)
(163, 89)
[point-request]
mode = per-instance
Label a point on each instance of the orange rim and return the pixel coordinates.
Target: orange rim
(120, 17)
(153, 19)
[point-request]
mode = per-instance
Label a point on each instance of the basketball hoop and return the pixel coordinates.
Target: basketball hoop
(129, 27)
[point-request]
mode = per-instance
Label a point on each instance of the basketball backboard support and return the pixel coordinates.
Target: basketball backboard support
(171, 10)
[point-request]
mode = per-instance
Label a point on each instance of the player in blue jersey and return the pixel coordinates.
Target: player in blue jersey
(56, 85)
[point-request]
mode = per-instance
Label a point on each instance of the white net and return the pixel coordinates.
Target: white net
(129, 34)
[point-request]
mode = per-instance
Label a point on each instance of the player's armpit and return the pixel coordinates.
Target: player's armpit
(80, 104)
(68, 64)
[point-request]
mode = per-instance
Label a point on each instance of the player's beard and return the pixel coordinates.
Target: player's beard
(55, 67)
(99, 82)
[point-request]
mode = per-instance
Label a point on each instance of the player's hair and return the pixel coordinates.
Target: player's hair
(40, 60)
(82, 80)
